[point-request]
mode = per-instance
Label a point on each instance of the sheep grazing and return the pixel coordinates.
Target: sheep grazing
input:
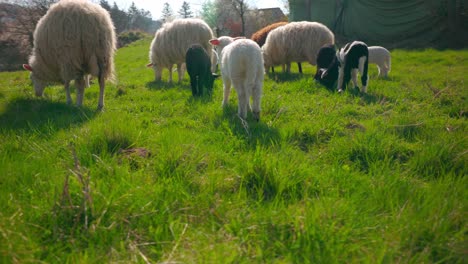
(242, 66)
(198, 64)
(353, 56)
(296, 41)
(74, 39)
(327, 66)
(382, 58)
(171, 42)
(261, 35)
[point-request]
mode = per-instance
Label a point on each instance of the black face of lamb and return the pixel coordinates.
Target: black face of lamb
(352, 52)
(327, 66)
(199, 69)
(328, 77)
(325, 56)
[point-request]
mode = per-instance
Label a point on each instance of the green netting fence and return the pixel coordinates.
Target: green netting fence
(390, 23)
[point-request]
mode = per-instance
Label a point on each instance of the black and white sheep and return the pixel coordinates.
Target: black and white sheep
(74, 39)
(198, 64)
(171, 42)
(242, 66)
(353, 57)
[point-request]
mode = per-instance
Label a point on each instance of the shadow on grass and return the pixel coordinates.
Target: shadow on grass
(251, 131)
(163, 85)
(366, 98)
(42, 116)
(206, 98)
(284, 77)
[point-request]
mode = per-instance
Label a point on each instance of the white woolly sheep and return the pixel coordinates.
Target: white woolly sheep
(74, 39)
(261, 35)
(352, 57)
(380, 56)
(295, 42)
(171, 42)
(242, 66)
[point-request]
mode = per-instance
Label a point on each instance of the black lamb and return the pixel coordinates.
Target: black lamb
(199, 69)
(327, 66)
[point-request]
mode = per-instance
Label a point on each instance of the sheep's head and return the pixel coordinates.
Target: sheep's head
(267, 62)
(222, 42)
(157, 70)
(211, 80)
(39, 84)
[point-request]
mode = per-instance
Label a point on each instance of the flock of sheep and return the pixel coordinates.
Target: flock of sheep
(76, 39)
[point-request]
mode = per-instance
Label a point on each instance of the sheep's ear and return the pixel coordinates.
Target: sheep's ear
(149, 65)
(214, 42)
(27, 67)
(237, 38)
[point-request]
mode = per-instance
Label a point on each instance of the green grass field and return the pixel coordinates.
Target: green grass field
(159, 176)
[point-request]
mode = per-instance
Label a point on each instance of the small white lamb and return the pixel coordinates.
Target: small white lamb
(380, 56)
(242, 66)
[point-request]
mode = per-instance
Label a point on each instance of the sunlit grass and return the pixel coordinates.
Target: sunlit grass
(322, 178)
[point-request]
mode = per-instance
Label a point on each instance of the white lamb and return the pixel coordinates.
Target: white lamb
(74, 39)
(242, 66)
(295, 42)
(380, 56)
(171, 42)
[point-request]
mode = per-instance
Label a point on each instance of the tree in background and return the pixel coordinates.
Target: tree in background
(139, 19)
(184, 11)
(28, 17)
(104, 4)
(241, 8)
(208, 13)
(230, 17)
(167, 13)
(119, 17)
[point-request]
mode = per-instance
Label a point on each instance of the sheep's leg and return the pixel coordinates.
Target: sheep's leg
(346, 75)
(364, 77)
(193, 85)
(201, 85)
(170, 74)
(288, 67)
(86, 80)
(67, 91)
(80, 85)
(354, 73)
(157, 74)
(283, 67)
(257, 96)
(300, 67)
(226, 90)
(242, 98)
(380, 70)
(384, 72)
(180, 71)
(340, 79)
(102, 85)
